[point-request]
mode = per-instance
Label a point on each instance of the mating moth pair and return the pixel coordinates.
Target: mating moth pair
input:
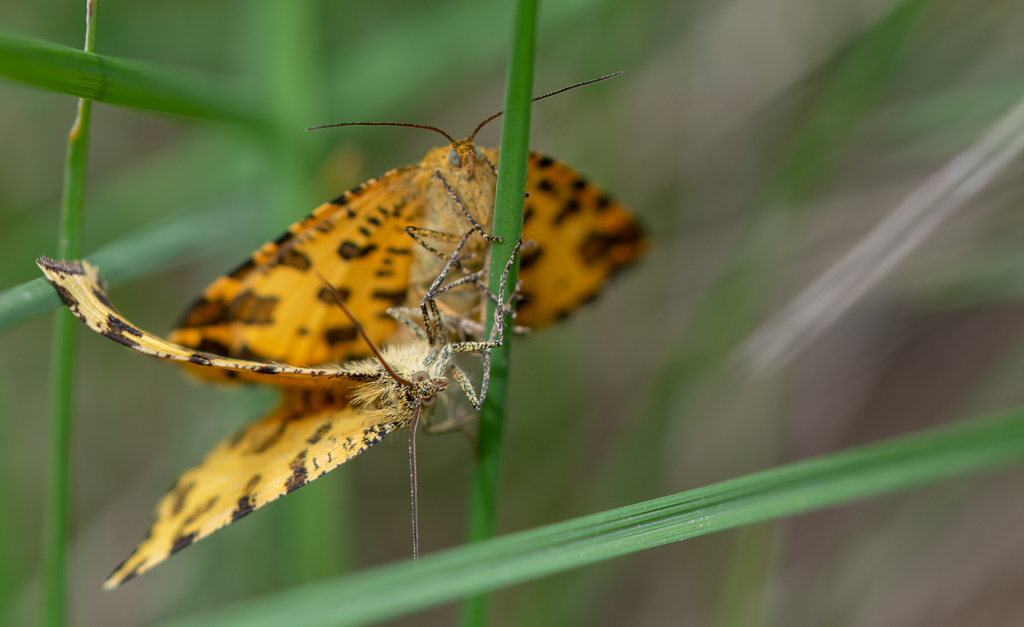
(412, 247)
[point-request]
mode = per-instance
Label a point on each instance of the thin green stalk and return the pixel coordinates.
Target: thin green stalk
(741, 601)
(318, 520)
(55, 531)
(120, 82)
(508, 224)
(845, 477)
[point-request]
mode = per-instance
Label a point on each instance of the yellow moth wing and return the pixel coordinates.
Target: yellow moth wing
(273, 308)
(310, 433)
(83, 291)
(581, 238)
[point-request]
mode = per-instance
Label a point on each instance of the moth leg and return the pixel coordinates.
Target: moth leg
(434, 290)
(452, 424)
(454, 324)
(461, 423)
(451, 261)
(462, 379)
(472, 328)
(433, 325)
(419, 235)
(405, 316)
(457, 422)
(458, 203)
(484, 348)
(504, 308)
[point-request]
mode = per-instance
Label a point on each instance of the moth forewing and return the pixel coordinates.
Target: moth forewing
(271, 307)
(83, 291)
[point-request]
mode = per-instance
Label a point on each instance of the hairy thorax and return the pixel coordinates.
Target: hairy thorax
(386, 398)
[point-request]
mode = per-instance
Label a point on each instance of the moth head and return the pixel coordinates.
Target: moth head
(426, 388)
(465, 155)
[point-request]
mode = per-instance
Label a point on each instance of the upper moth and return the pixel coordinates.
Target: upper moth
(383, 244)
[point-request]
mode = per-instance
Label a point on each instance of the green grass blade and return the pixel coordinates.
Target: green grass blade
(736, 300)
(120, 82)
(55, 534)
(27, 300)
(55, 530)
(319, 522)
(508, 224)
(886, 246)
(137, 254)
(844, 477)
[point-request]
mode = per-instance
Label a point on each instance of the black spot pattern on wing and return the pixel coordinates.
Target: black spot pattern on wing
(63, 268)
(296, 259)
(395, 297)
(530, 256)
(349, 250)
(181, 542)
(299, 474)
(203, 312)
(246, 502)
(248, 308)
(180, 494)
(319, 433)
(336, 335)
(120, 326)
(327, 296)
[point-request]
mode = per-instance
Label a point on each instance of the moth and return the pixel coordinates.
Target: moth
(382, 249)
(385, 242)
(336, 414)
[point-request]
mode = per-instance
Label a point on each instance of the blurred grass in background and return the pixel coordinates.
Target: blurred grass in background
(759, 141)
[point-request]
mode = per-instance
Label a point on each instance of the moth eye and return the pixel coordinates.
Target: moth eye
(476, 151)
(454, 158)
(429, 401)
(420, 376)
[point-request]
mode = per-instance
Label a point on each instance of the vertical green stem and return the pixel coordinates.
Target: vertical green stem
(508, 224)
(55, 531)
(287, 61)
(318, 520)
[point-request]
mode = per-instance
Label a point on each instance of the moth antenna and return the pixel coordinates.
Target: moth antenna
(547, 95)
(412, 484)
(362, 331)
(424, 126)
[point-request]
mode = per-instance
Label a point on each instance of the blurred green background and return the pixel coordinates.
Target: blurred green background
(758, 140)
